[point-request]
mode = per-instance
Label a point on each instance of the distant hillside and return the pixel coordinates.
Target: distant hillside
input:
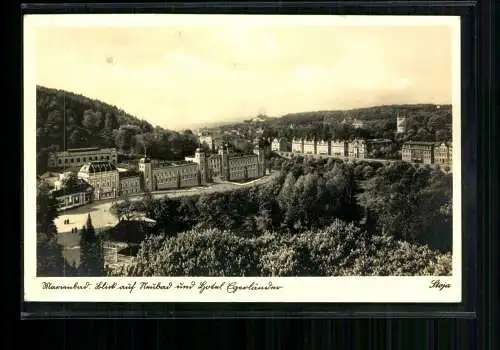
(67, 120)
(369, 113)
(424, 122)
(88, 122)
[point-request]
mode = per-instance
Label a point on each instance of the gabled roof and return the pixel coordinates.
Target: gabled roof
(128, 174)
(97, 167)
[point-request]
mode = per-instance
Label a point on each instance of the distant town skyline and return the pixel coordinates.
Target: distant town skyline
(182, 76)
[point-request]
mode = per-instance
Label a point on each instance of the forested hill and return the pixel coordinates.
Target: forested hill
(68, 120)
(424, 122)
(370, 113)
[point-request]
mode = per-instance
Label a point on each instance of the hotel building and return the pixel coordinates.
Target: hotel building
(323, 147)
(418, 152)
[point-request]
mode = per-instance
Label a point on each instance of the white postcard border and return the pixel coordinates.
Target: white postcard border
(293, 289)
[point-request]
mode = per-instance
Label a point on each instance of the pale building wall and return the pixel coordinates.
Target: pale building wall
(323, 147)
(72, 200)
(338, 148)
(72, 158)
(297, 146)
(239, 166)
(309, 146)
(130, 185)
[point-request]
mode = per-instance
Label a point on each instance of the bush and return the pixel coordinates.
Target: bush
(341, 249)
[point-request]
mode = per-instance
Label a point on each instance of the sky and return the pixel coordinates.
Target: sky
(180, 76)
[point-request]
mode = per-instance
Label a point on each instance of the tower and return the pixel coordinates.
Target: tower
(146, 169)
(201, 159)
(261, 160)
(400, 122)
(224, 154)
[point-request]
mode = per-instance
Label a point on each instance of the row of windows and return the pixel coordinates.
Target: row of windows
(238, 168)
(421, 152)
(170, 174)
(174, 179)
(129, 184)
(175, 172)
(233, 164)
(104, 184)
(83, 159)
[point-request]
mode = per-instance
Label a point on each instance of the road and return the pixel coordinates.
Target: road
(101, 216)
(289, 155)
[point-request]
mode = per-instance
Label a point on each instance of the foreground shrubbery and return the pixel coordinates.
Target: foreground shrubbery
(341, 249)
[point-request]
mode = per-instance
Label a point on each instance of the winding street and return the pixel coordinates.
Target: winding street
(102, 218)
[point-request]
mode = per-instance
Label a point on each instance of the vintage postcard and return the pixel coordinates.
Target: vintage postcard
(242, 158)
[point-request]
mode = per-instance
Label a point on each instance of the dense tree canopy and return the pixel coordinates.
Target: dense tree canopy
(91, 123)
(340, 249)
(400, 200)
(424, 122)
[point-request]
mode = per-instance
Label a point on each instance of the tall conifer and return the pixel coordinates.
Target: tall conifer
(91, 251)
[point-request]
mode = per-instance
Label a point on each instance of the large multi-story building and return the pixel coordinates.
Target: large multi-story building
(339, 148)
(298, 146)
(241, 167)
(130, 183)
(103, 180)
(310, 146)
(166, 175)
(103, 176)
(80, 156)
(323, 147)
(443, 154)
(357, 149)
(79, 194)
(230, 166)
(418, 152)
(377, 145)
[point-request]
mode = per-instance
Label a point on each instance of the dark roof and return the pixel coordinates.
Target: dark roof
(127, 174)
(81, 186)
(378, 140)
(130, 231)
(83, 149)
(420, 143)
(97, 167)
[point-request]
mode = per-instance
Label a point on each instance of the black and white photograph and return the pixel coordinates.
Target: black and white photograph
(249, 158)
